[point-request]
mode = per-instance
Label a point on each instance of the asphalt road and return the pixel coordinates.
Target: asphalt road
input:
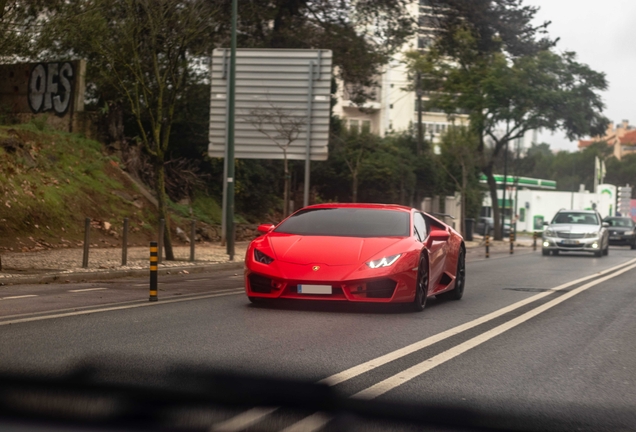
(533, 334)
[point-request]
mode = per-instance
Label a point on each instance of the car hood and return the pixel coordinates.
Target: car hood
(575, 228)
(620, 229)
(333, 251)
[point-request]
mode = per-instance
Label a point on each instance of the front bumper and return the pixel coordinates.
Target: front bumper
(592, 244)
(621, 239)
(396, 288)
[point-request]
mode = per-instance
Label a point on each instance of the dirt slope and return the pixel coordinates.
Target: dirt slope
(51, 181)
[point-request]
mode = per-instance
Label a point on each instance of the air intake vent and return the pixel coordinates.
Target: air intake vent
(260, 284)
(382, 288)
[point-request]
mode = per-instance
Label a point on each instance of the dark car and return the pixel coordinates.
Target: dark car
(486, 225)
(622, 231)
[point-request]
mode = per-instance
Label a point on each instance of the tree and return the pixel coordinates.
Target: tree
(354, 147)
(362, 34)
(282, 128)
(490, 63)
(458, 160)
(17, 18)
(144, 51)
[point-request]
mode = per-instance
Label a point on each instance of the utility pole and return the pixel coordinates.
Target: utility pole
(230, 138)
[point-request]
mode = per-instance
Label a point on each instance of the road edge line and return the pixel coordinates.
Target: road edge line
(115, 308)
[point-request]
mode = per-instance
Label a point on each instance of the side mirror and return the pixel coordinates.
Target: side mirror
(605, 224)
(546, 223)
(265, 228)
(439, 235)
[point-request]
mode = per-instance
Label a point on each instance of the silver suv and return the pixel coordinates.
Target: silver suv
(576, 231)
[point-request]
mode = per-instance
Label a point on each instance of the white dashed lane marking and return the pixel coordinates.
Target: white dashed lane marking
(18, 297)
(86, 289)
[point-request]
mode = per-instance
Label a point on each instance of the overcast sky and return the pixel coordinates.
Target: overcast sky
(602, 33)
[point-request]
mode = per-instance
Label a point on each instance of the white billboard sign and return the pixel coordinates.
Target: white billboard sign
(276, 89)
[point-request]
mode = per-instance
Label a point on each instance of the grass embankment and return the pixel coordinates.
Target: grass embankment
(51, 181)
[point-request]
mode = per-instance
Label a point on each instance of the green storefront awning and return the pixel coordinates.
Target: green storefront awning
(530, 183)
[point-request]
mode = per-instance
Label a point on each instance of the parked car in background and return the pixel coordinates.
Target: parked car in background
(622, 231)
(576, 231)
(486, 225)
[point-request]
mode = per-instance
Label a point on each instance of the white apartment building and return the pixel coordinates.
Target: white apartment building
(394, 109)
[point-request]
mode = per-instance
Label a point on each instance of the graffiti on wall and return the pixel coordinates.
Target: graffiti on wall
(51, 87)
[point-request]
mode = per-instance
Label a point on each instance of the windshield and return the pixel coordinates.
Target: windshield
(575, 218)
(620, 222)
(347, 222)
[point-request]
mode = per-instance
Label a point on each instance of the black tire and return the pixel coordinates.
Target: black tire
(606, 250)
(256, 300)
(633, 245)
(545, 252)
(460, 281)
(421, 285)
(598, 253)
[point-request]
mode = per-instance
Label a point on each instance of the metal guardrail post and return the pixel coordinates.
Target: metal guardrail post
(162, 228)
(124, 244)
(153, 272)
(87, 239)
(487, 246)
(193, 233)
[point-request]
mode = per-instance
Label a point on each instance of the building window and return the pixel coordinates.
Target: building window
(427, 21)
(354, 125)
(366, 126)
(424, 42)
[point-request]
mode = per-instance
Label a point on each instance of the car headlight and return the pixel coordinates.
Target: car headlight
(262, 258)
(549, 233)
(383, 262)
(592, 235)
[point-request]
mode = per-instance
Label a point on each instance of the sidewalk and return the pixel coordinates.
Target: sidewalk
(476, 249)
(64, 265)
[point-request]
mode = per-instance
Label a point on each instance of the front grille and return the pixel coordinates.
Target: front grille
(573, 246)
(260, 284)
(567, 235)
(382, 288)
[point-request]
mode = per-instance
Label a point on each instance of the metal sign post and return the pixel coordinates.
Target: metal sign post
(310, 98)
(229, 222)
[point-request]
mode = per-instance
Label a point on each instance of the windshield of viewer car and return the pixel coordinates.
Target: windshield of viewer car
(347, 222)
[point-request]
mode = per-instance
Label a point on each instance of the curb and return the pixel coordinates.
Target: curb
(116, 274)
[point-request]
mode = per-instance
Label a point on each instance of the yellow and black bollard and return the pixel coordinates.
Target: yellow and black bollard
(153, 271)
(512, 242)
(487, 246)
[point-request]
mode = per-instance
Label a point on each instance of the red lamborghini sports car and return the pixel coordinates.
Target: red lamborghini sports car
(358, 253)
